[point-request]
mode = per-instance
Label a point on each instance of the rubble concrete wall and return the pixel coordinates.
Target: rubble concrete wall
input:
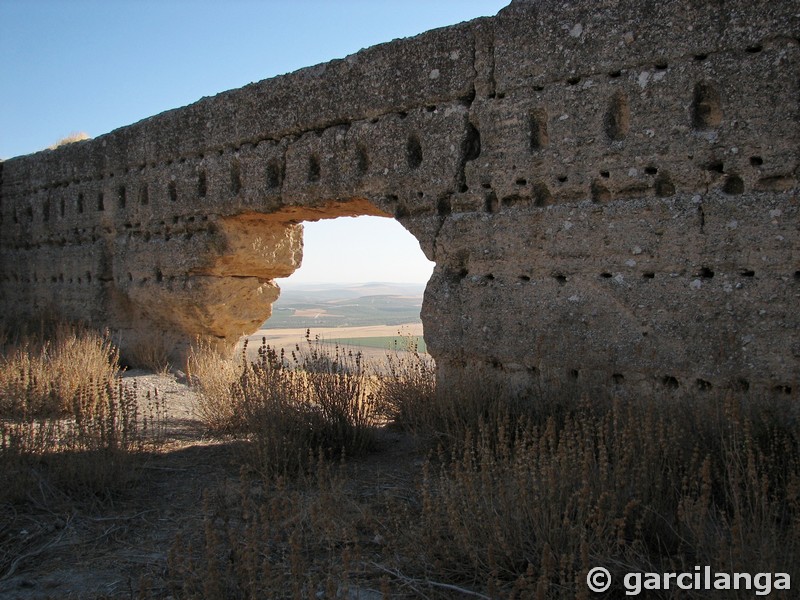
(609, 191)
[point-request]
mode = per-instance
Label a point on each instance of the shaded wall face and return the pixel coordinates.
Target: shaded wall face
(608, 193)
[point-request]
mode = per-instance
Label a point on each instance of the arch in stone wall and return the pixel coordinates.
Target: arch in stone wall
(608, 193)
(230, 291)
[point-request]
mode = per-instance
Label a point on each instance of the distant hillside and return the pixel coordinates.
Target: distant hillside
(332, 305)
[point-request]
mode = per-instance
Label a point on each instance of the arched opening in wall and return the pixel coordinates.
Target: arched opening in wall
(360, 284)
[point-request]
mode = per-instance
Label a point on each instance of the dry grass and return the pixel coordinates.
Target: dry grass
(280, 545)
(42, 377)
(216, 377)
(528, 507)
(78, 136)
(68, 425)
(520, 500)
(150, 353)
(290, 408)
(407, 387)
(498, 497)
(71, 435)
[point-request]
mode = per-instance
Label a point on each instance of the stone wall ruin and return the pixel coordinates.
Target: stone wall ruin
(609, 191)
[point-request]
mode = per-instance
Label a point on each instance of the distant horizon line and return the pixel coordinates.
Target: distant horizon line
(286, 281)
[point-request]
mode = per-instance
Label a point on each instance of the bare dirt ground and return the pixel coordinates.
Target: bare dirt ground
(69, 550)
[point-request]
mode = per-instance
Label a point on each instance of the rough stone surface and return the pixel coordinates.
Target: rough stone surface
(609, 190)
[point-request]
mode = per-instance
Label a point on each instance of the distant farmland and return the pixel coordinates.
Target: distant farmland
(375, 318)
(382, 342)
(374, 342)
(314, 307)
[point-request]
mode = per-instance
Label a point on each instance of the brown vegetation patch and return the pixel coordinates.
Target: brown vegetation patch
(474, 494)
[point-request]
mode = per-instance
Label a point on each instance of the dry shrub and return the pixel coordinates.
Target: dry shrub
(317, 400)
(294, 541)
(44, 376)
(68, 425)
(149, 353)
(337, 389)
(216, 376)
(530, 507)
(407, 386)
(92, 453)
(444, 419)
(77, 136)
(521, 499)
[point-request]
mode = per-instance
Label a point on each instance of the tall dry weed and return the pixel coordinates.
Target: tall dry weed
(293, 540)
(44, 377)
(216, 376)
(530, 507)
(521, 499)
(288, 407)
(76, 136)
(68, 424)
(150, 352)
(407, 386)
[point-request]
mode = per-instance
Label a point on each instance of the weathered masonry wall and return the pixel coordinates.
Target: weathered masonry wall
(609, 191)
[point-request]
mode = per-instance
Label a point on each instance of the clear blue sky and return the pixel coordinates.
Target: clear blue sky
(95, 65)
